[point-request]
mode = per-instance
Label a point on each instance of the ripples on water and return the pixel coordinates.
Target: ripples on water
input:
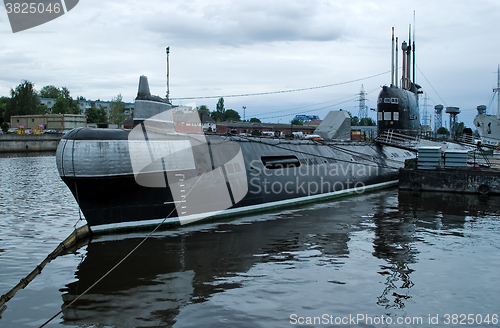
(388, 253)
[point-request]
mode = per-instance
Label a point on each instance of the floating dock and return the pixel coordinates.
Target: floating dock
(463, 180)
(450, 171)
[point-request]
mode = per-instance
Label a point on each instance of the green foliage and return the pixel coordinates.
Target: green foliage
(255, 120)
(366, 121)
(442, 130)
(96, 115)
(5, 127)
(220, 105)
(65, 93)
(218, 114)
(116, 110)
(231, 115)
(24, 101)
(65, 104)
(297, 121)
(218, 117)
(50, 91)
(204, 108)
(44, 109)
(459, 130)
(3, 108)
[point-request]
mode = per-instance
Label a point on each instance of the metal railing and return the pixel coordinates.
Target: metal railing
(401, 138)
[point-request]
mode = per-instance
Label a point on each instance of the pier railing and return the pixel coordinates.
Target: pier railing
(400, 138)
(479, 157)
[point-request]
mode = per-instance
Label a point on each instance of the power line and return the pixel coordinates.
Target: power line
(312, 110)
(282, 91)
(300, 107)
(350, 98)
(432, 86)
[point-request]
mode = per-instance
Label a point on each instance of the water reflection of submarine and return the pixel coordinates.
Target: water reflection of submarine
(395, 230)
(394, 242)
(444, 211)
(182, 268)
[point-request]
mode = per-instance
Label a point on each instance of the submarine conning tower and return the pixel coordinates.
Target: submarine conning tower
(397, 106)
(146, 105)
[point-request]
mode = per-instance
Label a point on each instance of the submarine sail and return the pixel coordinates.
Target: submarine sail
(397, 107)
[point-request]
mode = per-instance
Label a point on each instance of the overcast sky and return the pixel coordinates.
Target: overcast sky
(221, 48)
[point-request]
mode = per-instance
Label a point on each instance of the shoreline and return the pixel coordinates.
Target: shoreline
(16, 143)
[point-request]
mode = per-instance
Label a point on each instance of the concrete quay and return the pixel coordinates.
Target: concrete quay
(10, 143)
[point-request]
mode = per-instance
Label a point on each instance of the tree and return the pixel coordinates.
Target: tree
(459, 130)
(231, 115)
(65, 104)
(5, 127)
(116, 110)
(24, 101)
(65, 93)
(50, 91)
(354, 119)
(44, 109)
(218, 114)
(255, 120)
(220, 105)
(366, 121)
(3, 108)
(204, 108)
(96, 115)
(442, 130)
(297, 121)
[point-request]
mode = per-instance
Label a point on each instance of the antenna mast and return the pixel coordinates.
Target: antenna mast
(497, 90)
(168, 73)
(397, 68)
(408, 61)
(392, 59)
(413, 47)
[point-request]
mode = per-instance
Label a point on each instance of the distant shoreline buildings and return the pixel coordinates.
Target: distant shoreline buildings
(128, 108)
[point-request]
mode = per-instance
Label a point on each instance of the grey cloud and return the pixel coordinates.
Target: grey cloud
(247, 23)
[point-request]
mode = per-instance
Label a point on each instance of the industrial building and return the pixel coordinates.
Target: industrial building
(59, 122)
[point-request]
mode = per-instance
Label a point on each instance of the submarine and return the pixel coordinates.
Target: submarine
(166, 171)
(397, 106)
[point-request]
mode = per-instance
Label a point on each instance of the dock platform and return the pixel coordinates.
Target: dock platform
(461, 180)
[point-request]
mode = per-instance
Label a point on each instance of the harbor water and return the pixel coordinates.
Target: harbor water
(384, 259)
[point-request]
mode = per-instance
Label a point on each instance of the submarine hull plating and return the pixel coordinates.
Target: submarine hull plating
(397, 109)
(217, 177)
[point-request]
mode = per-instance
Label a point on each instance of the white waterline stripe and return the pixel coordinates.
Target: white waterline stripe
(197, 217)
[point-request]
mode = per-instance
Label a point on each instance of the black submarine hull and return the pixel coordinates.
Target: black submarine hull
(397, 110)
(98, 168)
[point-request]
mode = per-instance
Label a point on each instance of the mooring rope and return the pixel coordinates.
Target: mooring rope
(69, 242)
(124, 258)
